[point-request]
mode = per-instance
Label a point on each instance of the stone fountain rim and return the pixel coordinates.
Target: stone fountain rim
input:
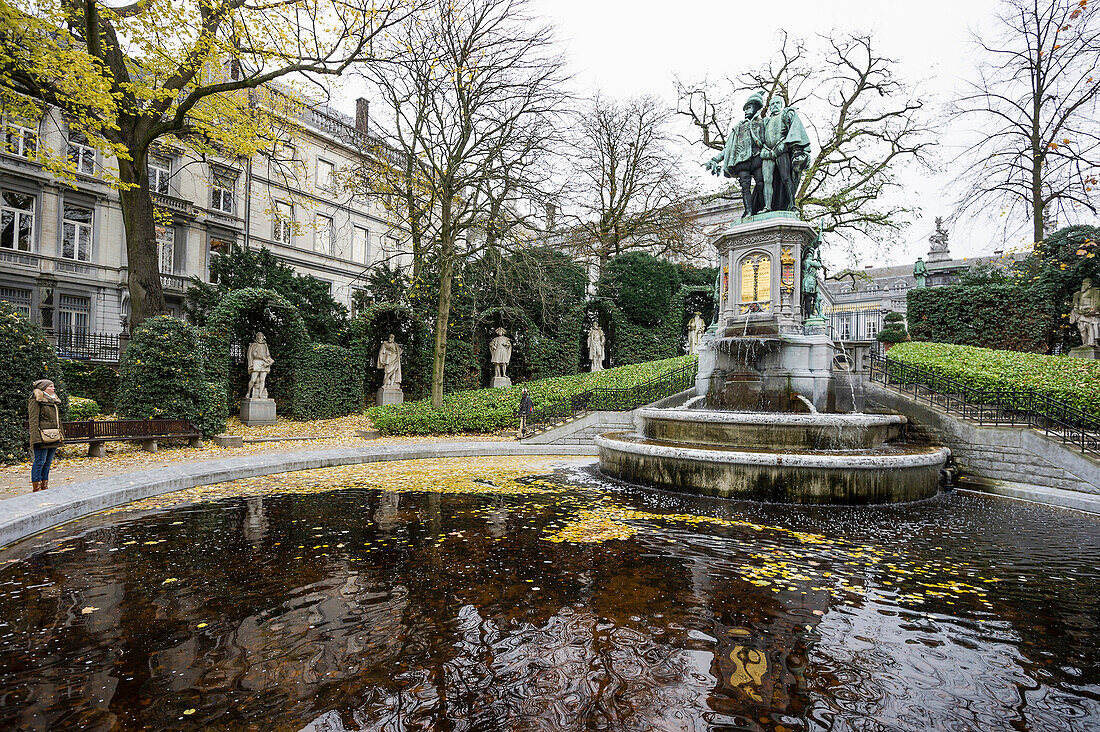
(935, 456)
(785, 419)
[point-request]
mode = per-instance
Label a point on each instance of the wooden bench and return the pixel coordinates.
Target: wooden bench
(95, 433)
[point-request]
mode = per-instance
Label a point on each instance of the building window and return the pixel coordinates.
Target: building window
(283, 223)
(360, 246)
(326, 235)
(18, 298)
(872, 328)
(326, 174)
(20, 137)
(845, 329)
(221, 192)
(16, 221)
(72, 314)
(76, 233)
(81, 153)
(166, 249)
(160, 170)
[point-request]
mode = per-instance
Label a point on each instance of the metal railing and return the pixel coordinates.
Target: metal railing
(614, 399)
(1021, 407)
(86, 345)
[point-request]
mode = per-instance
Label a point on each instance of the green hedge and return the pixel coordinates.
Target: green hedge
(1010, 317)
(81, 409)
(27, 357)
(92, 381)
(1072, 380)
(163, 376)
(329, 383)
(490, 410)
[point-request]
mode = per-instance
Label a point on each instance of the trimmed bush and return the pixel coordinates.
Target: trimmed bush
(329, 383)
(82, 409)
(162, 376)
(27, 357)
(491, 410)
(92, 381)
(999, 316)
(1072, 380)
(893, 331)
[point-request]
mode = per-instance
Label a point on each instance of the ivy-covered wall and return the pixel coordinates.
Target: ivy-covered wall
(329, 383)
(27, 357)
(98, 382)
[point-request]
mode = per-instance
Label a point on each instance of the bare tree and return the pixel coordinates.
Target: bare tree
(866, 122)
(468, 101)
(127, 75)
(626, 189)
(1034, 102)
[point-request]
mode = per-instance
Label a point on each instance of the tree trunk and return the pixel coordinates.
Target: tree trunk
(442, 318)
(143, 269)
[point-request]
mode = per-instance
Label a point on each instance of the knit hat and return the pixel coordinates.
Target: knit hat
(41, 384)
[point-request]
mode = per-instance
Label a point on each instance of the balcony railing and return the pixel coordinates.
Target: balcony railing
(174, 283)
(85, 345)
(171, 203)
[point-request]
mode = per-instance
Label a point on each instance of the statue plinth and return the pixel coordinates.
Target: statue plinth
(1092, 352)
(388, 395)
(500, 382)
(257, 412)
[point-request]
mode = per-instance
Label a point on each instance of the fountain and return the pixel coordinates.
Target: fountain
(773, 419)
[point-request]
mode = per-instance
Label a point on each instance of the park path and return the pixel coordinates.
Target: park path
(72, 465)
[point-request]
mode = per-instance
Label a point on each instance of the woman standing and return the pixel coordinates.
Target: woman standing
(44, 420)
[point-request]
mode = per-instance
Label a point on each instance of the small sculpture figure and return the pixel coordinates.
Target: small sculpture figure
(811, 265)
(696, 327)
(938, 240)
(500, 350)
(1086, 313)
(740, 157)
(596, 342)
(389, 363)
(784, 154)
(920, 271)
(258, 360)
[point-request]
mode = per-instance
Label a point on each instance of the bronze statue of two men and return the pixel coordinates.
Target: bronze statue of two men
(767, 154)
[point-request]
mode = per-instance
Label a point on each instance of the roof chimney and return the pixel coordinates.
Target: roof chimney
(362, 114)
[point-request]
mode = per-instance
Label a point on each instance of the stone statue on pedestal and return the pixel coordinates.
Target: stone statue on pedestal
(256, 408)
(696, 327)
(258, 360)
(1086, 314)
(389, 363)
(596, 342)
(938, 242)
(920, 272)
(500, 351)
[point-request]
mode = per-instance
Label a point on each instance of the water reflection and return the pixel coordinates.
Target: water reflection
(383, 609)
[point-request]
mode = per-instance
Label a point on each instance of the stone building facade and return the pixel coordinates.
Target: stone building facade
(62, 245)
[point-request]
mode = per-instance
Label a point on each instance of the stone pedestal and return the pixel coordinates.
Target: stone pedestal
(385, 396)
(500, 382)
(257, 411)
(1092, 352)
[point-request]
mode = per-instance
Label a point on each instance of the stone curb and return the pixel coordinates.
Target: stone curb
(30, 513)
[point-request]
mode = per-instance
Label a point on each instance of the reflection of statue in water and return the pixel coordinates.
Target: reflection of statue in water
(740, 158)
(784, 154)
(696, 327)
(596, 342)
(500, 350)
(389, 363)
(920, 271)
(1086, 313)
(811, 265)
(258, 360)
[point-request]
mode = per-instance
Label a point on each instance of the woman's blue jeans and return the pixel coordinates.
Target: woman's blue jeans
(40, 468)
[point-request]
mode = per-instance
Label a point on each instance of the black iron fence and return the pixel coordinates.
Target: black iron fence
(86, 345)
(1023, 407)
(615, 399)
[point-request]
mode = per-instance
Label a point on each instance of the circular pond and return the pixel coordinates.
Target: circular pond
(529, 593)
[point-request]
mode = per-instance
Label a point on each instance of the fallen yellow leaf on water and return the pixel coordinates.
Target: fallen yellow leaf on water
(169, 581)
(201, 625)
(188, 711)
(88, 610)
